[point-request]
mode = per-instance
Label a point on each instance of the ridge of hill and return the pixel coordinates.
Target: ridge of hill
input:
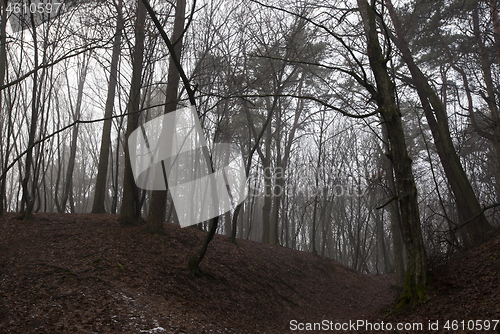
(84, 273)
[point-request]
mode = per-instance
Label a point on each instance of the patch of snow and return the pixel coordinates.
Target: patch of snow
(157, 329)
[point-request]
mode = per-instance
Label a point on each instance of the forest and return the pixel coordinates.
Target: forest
(366, 131)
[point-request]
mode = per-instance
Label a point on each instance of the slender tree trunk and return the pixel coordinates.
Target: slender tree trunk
(195, 261)
(102, 169)
(3, 65)
(225, 135)
(467, 204)
(68, 186)
(157, 207)
(227, 139)
(282, 164)
(491, 92)
(316, 183)
(114, 202)
(256, 147)
(130, 210)
(268, 190)
(416, 275)
(313, 225)
(495, 8)
(27, 201)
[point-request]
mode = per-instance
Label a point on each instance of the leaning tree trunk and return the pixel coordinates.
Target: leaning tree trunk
(102, 169)
(416, 275)
(130, 210)
(468, 206)
(194, 262)
(158, 204)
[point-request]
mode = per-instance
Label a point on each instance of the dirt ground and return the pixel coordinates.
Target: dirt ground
(84, 273)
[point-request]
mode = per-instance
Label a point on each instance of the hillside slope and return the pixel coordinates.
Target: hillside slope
(464, 296)
(83, 273)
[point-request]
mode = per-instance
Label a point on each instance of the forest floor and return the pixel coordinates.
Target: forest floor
(83, 273)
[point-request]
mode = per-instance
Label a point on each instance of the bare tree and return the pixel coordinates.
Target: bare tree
(416, 274)
(130, 209)
(102, 173)
(76, 113)
(467, 203)
(3, 65)
(158, 203)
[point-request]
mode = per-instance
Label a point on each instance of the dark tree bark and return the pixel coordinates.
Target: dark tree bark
(27, 201)
(316, 189)
(194, 262)
(158, 205)
(68, 185)
(227, 135)
(130, 210)
(495, 8)
(491, 93)
(282, 162)
(397, 241)
(3, 64)
(102, 169)
(268, 197)
(467, 204)
(256, 147)
(416, 275)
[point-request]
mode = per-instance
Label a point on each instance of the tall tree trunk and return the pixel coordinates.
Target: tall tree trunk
(416, 274)
(223, 134)
(491, 92)
(157, 207)
(27, 200)
(282, 163)
(467, 204)
(227, 139)
(397, 241)
(68, 185)
(102, 169)
(3, 65)
(268, 190)
(495, 8)
(130, 209)
(316, 183)
(256, 147)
